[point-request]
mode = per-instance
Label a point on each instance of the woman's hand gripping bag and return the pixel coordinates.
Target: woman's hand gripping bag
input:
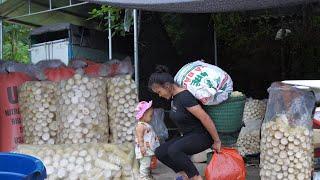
(226, 165)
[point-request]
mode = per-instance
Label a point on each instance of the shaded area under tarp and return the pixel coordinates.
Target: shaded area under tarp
(200, 6)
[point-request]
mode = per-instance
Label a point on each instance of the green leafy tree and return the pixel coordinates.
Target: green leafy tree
(16, 43)
(116, 16)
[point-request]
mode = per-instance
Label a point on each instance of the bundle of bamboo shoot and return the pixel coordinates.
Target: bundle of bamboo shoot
(37, 101)
(236, 94)
(249, 138)
(254, 109)
(248, 142)
(82, 108)
(286, 150)
(85, 161)
(122, 100)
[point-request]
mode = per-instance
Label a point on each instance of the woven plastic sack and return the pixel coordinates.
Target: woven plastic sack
(94, 70)
(226, 165)
(248, 142)
(29, 69)
(122, 97)
(208, 83)
(37, 101)
(78, 64)
(2, 69)
(117, 67)
(10, 118)
(54, 70)
(158, 124)
(82, 110)
(89, 68)
(53, 63)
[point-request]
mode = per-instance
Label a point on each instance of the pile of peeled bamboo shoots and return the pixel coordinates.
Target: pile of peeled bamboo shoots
(249, 138)
(248, 142)
(254, 109)
(85, 161)
(236, 94)
(38, 109)
(82, 110)
(122, 99)
(286, 150)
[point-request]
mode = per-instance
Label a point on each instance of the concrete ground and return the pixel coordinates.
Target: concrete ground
(164, 173)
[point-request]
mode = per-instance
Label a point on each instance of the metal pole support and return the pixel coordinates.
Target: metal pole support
(135, 41)
(1, 38)
(215, 48)
(110, 35)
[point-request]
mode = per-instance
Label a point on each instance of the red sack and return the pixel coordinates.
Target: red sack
(10, 118)
(117, 67)
(227, 165)
(154, 162)
(58, 74)
(93, 70)
(90, 62)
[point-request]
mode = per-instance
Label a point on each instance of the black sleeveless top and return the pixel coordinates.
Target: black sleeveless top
(183, 119)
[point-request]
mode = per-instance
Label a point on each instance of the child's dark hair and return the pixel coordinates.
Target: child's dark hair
(161, 76)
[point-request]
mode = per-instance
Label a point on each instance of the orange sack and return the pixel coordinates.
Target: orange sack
(10, 118)
(59, 74)
(93, 70)
(227, 165)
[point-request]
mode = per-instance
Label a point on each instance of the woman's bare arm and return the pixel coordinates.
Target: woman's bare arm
(206, 120)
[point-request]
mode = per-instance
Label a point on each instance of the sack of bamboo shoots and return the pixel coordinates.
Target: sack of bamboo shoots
(90, 69)
(117, 67)
(29, 69)
(208, 83)
(254, 109)
(316, 138)
(248, 142)
(109, 69)
(286, 141)
(38, 110)
(122, 99)
(82, 110)
(55, 70)
(78, 64)
(85, 161)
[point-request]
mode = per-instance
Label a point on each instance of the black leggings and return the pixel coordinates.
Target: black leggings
(174, 153)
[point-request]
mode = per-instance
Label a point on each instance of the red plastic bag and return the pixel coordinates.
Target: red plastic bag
(154, 162)
(10, 118)
(227, 165)
(58, 74)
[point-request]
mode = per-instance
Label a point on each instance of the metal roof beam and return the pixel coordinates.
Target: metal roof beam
(19, 5)
(24, 23)
(46, 11)
(61, 10)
